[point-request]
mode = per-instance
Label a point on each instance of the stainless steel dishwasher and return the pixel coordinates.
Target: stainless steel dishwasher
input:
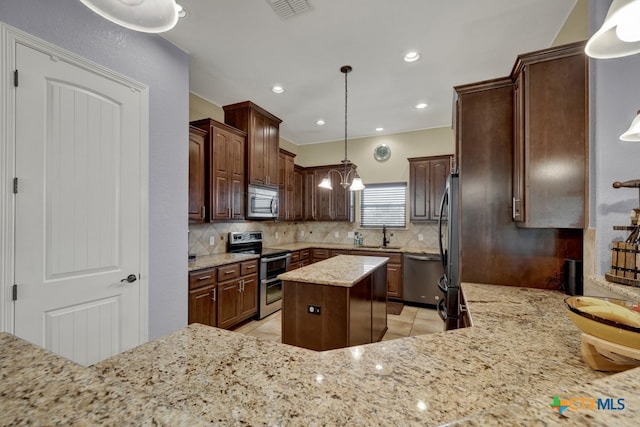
(421, 273)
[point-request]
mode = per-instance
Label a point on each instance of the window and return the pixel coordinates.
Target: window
(383, 204)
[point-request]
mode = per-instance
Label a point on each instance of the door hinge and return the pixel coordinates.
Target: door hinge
(14, 292)
(15, 185)
(15, 78)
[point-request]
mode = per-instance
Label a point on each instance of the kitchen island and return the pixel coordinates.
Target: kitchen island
(335, 303)
(505, 370)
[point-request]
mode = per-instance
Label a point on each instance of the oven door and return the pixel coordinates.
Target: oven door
(272, 266)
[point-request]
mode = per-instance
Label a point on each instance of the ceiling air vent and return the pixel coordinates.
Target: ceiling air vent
(288, 8)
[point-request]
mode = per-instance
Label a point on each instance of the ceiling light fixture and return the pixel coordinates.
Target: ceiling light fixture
(411, 57)
(147, 16)
(620, 32)
(421, 105)
(277, 89)
(349, 168)
(320, 122)
(633, 133)
(379, 129)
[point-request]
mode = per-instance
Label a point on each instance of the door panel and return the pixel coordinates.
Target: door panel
(77, 212)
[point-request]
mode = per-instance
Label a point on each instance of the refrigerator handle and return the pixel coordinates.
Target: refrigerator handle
(442, 311)
(443, 202)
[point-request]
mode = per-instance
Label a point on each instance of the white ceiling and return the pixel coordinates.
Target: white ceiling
(240, 48)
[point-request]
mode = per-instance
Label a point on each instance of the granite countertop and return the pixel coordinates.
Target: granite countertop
(505, 370)
(631, 293)
(402, 249)
(215, 260)
(41, 388)
(341, 270)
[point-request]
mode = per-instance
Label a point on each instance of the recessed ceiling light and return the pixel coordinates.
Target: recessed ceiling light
(379, 129)
(277, 89)
(320, 122)
(421, 106)
(411, 56)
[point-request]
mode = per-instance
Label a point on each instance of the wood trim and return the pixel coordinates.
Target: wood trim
(549, 54)
(483, 85)
(421, 159)
(211, 122)
(287, 153)
(251, 105)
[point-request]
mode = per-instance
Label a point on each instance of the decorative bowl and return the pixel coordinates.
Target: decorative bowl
(614, 331)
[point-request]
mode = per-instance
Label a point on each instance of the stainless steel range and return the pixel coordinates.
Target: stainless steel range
(272, 263)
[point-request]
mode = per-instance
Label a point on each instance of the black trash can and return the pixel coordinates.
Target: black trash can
(573, 277)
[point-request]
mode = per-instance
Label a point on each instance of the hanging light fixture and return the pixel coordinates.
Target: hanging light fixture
(148, 16)
(350, 170)
(620, 32)
(633, 133)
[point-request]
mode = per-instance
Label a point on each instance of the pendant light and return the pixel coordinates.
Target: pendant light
(633, 133)
(349, 168)
(620, 32)
(148, 16)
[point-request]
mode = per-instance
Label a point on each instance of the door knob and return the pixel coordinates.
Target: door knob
(130, 278)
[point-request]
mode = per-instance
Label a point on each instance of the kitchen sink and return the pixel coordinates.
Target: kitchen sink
(379, 247)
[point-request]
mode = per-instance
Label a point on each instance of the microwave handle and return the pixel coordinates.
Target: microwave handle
(273, 199)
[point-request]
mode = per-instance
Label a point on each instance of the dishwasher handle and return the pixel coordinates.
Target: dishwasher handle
(423, 258)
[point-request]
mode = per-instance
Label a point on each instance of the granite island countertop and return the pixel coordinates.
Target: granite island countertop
(341, 270)
(505, 370)
(350, 247)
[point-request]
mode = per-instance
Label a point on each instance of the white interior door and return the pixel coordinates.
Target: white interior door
(78, 209)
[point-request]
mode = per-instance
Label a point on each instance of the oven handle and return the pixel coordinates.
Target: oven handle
(269, 281)
(278, 258)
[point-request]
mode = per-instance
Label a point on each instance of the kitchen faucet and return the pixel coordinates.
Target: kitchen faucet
(385, 239)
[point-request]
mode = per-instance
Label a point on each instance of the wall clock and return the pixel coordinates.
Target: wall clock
(382, 152)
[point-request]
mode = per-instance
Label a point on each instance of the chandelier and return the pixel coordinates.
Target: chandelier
(350, 171)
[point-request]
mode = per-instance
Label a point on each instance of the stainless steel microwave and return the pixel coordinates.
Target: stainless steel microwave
(262, 202)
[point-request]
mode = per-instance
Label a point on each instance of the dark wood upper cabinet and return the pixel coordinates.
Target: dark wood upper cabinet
(286, 196)
(309, 204)
(550, 162)
(197, 168)
(298, 193)
(427, 180)
(224, 173)
(328, 205)
(263, 139)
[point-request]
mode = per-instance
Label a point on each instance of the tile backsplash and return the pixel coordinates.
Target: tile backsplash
(207, 239)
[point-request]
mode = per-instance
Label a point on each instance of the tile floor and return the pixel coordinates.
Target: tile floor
(412, 321)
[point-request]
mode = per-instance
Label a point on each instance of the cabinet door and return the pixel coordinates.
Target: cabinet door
(282, 186)
(438, 172)
(248, 302)
(324, 198)
(341, 200)
(257, 150)
(517, 201)
(197, 165)
(272, 143)
(394, 280)
(310, 191)
(220, 175)
(298, 194)
(236, 176)
(419, 190)
(202, 305)
(228, 294)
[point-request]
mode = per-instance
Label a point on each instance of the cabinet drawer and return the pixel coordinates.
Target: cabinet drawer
(201, 278)
(249, 267)
(227, 272)
(320, 253)
(305, 254)
(394, 257)
(295, 257)
(336, 252)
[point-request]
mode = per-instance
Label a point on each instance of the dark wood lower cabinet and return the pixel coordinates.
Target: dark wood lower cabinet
(233, 300)
(203, 295)
(348, 315)
(202, 305)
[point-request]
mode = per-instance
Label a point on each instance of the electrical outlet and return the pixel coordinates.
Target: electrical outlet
(336, 234)
(420, 237)
(212, 240)
(350, 235)
(301, 233)
(314, 309)
(276, 234)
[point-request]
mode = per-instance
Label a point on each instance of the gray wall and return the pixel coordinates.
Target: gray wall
(151, 60)
(615, 99)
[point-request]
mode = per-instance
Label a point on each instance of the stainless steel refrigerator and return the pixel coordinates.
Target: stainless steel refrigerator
(449, 307)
